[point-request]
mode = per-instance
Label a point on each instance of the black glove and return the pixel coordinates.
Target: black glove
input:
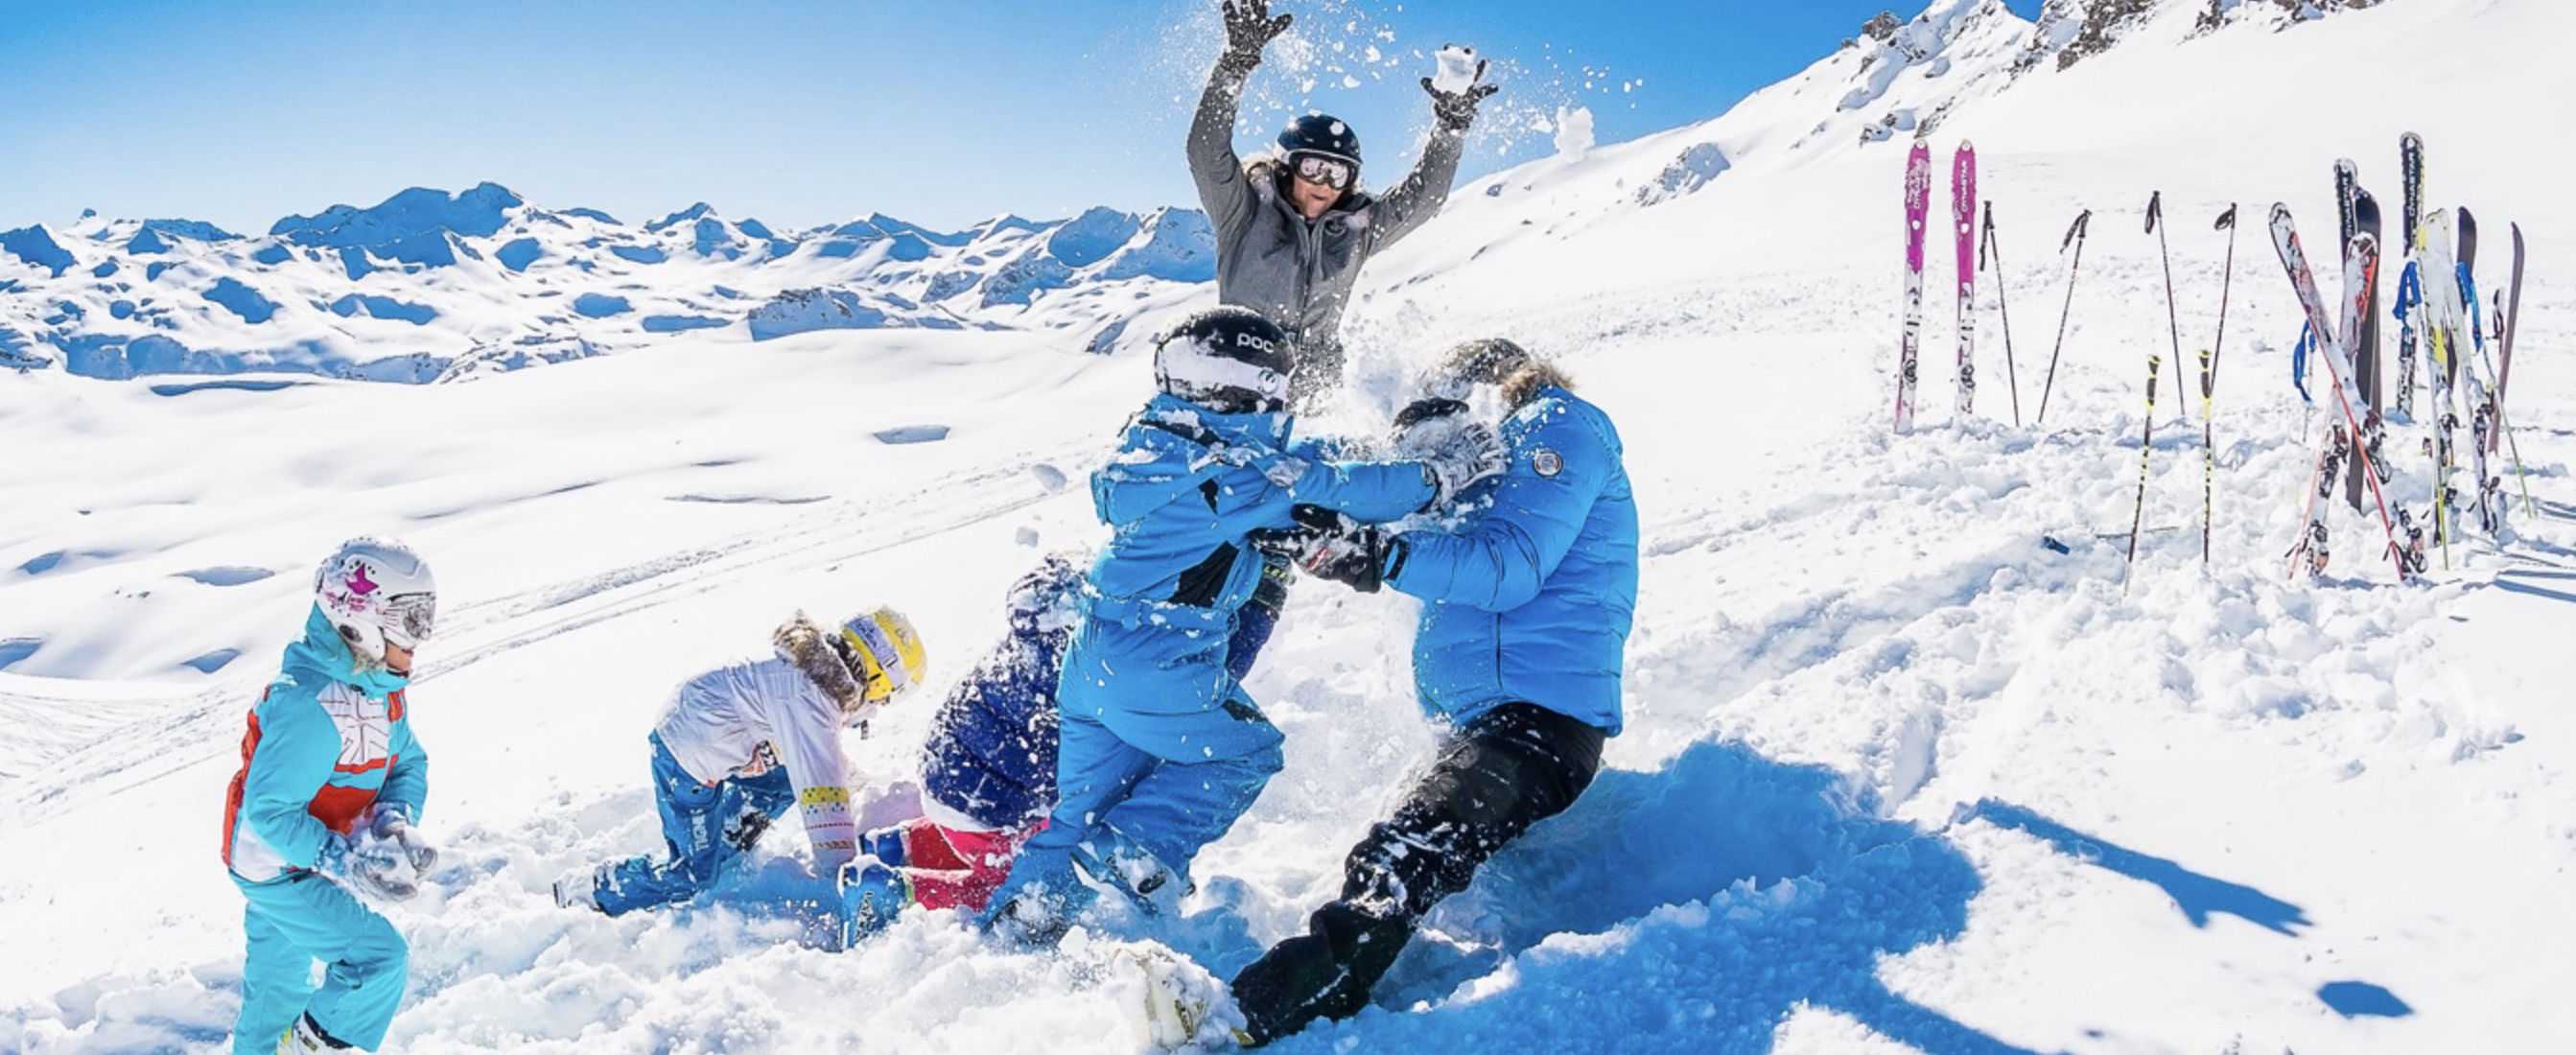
(1331, 546)
(1248, 29)
(1456, 110)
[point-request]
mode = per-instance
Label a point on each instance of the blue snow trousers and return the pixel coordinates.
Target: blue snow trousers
(706, 825)
(1168, 805)
(294, 920)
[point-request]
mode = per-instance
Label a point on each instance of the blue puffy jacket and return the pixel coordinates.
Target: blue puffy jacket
(1185, 488)
(1531, 599)
(991, 752)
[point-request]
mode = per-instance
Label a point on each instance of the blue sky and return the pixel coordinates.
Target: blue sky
(798, 112)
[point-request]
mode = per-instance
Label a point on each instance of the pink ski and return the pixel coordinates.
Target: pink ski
(1963, 216)
(1918, 206)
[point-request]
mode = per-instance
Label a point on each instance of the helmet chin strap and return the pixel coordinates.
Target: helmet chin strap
(361, 659)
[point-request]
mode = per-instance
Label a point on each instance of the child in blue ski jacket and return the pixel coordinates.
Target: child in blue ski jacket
(989, 766)
(1161, 748)
(330, 784)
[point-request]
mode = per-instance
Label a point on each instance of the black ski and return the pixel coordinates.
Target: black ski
(2347, 181)
(2365, 345)
(2511, 308)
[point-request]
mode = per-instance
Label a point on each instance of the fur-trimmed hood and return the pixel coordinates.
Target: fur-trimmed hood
(1524, 384)
(808, 645)
(1499, 361)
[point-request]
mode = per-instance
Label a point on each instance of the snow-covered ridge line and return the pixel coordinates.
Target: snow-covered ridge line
(432, 286)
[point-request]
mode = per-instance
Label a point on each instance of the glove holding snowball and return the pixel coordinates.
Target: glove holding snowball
(384, 857)
(1459, 86)
(1457, 449)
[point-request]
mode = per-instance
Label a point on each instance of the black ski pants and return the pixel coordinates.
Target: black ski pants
(1508, 769)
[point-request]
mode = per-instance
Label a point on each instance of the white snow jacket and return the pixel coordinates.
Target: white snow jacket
(746, 718)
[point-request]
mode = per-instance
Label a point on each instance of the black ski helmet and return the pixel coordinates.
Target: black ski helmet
(1320, 134)
(1228, 359)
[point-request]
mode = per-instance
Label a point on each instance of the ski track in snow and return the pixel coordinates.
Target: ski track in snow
(1897, 776)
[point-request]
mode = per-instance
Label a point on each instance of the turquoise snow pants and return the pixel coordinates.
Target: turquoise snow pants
(294, 920)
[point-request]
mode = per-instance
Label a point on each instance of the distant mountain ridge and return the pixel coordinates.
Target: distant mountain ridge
(429, 285)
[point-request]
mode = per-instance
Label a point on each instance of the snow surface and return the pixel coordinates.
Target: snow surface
(1896, 776)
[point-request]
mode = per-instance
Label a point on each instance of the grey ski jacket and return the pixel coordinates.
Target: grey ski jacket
(1298, 272)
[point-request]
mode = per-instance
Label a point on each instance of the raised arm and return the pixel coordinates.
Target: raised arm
(1214, 166)
(1453, 107)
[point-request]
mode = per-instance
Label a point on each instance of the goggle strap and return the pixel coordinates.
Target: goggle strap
(879, 664)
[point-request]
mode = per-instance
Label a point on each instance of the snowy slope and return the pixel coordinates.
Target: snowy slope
(1896, 776)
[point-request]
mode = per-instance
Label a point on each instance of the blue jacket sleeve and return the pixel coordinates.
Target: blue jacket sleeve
(298, 746)
(1500, 560)
(1370, 491)
(407, 782)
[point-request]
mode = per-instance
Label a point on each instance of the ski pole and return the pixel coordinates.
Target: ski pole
(2173, 319)
(2146, 453)
(2209, 384)
(2074, 237)
(1985, 253)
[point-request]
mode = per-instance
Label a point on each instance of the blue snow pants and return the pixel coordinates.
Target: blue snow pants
(294, 920)
(706, 825)
(1111, 789)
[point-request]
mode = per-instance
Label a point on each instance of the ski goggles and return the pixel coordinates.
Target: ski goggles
(407, 619)
(1324, 170)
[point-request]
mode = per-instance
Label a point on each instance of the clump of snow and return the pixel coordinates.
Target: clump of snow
(1573, 132)
(1458, 69)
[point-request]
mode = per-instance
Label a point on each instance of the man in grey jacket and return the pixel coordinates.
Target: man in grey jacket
(1292, 227)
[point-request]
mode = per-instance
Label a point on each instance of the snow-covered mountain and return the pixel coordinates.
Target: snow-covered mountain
(429, 286)
(1915, 758)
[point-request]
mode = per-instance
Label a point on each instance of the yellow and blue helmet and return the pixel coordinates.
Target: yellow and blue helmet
(884, 653)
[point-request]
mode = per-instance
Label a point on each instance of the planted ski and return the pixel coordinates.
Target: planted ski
(2362, 257)
(1918, 196)
(1963, 225)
